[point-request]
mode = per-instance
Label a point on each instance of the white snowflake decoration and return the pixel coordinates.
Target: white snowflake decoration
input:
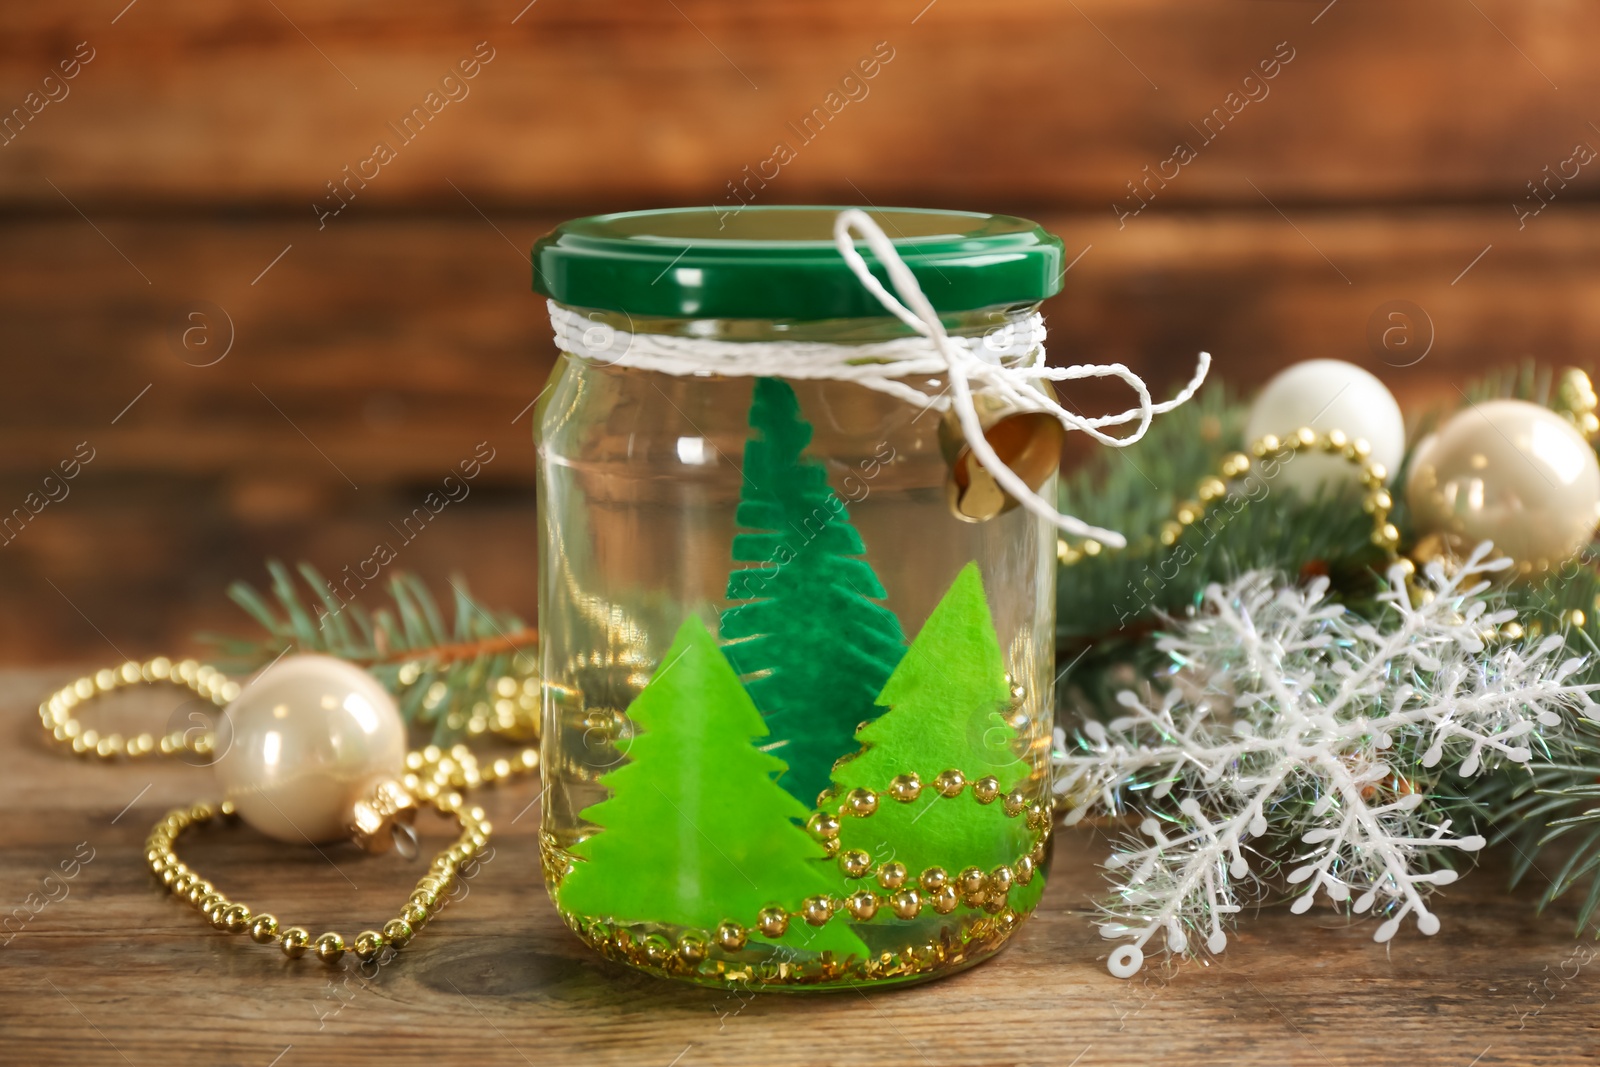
(1290, 713)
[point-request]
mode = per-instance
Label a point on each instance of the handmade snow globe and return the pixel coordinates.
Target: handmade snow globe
(796, 634)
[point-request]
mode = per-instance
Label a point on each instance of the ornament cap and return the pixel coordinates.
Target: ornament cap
(382, 819)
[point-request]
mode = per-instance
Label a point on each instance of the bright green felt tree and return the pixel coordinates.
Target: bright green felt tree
(946, 701)
(695, 830)
(812, 646)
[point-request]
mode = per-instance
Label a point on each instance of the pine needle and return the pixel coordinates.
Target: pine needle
(451, 677)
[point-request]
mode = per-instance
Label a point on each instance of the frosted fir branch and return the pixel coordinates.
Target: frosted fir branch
(1293, 731)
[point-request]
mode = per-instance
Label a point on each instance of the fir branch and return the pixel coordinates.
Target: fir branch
(443, 675)
(1109, 604)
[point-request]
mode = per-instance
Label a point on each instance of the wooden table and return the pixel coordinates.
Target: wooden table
(115, 971)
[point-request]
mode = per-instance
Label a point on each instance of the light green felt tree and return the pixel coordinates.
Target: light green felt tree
(945, 712)
(695, 830)
(813, 647)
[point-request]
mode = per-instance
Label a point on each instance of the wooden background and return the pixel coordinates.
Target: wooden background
(367, 356)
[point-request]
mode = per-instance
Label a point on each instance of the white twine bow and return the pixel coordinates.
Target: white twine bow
(1012, 384)
(1006, 364)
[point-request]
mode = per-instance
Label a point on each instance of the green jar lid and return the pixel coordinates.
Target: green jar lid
(780, 262)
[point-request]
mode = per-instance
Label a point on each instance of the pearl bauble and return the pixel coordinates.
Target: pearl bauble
(1510, 472)
(1328, 394)
(310, 736)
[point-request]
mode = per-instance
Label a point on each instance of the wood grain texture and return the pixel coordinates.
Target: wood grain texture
(637, 102)
(372, 358)
(117, 972)
(383, 351)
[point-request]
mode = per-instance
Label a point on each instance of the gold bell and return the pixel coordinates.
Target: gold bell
(1029, 442)
(382, 819)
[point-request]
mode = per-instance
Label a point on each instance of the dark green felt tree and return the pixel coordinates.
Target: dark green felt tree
(813, 647)
(696, 831)
(946, 702)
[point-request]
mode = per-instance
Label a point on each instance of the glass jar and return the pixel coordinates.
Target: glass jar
(797, 709)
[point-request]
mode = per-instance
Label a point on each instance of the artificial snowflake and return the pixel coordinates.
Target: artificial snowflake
(1297, 732)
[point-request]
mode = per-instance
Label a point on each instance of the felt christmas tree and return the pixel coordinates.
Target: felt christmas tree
(812, 646)
(696, 831)
(946, 702)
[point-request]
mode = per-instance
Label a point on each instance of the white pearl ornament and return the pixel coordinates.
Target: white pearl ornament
(1328, 394)
(310, 736)
(1510, 472)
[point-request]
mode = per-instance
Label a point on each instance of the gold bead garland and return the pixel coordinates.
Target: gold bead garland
(648, 948)
(978, 887)
(906, 788)
(56, 711)
(898, 890)
(264, 929)
(1377, 501)
(432, 775)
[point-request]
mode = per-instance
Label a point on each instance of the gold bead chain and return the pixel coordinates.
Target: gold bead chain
(1377, 502)
(263, 928)
(899, 890)
(56, 712)
(432, 775)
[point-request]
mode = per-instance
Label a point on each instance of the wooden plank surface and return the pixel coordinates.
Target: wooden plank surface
(639, 102)
(116, 972)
